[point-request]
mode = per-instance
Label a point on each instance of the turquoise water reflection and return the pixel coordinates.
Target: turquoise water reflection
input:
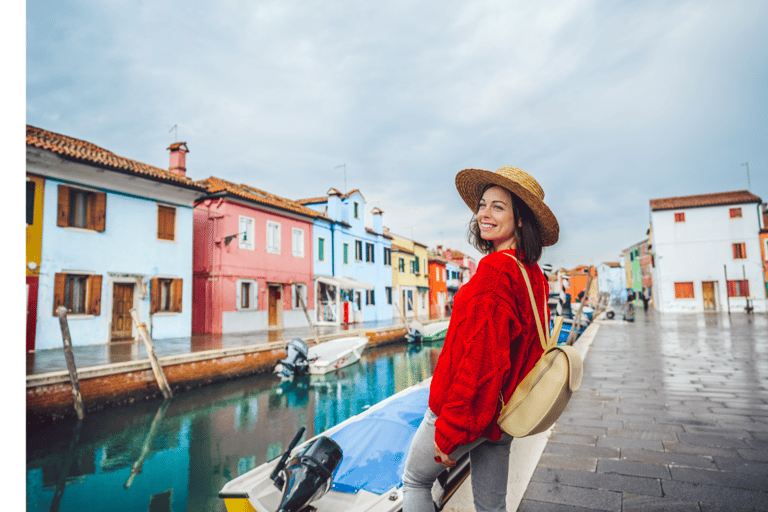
(177, 455)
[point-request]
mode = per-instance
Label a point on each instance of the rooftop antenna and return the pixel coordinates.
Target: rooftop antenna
(176, 133)
(747, 166)
(345, 175)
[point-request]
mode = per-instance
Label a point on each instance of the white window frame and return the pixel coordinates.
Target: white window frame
(246, 234)
(298, 248)
(254, 294)
(358, 256)
(273, 242)
(297, 288)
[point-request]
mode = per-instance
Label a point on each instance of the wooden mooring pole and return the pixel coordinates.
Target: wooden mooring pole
(309, 320)
(577, 319)
(61, 311)
(149, 347)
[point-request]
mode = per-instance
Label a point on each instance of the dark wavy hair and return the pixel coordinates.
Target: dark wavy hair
(528, 235)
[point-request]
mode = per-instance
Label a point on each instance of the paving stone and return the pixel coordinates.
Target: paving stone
(669, 458)
(706, 507)
(698, 449)
(742, 466)
(573, 439)
(725, 478)
(589, 423)
(542, 506)
(633, 468)
(562, 462)
(574, 496)
(640, 503)
(597, 480)
(715, 441)
(636, 431)
(578, 429)
(624, 442)
(577, 450)
(715, 495)
(755, 455)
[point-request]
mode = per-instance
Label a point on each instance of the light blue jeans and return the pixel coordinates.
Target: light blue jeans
(489, 461)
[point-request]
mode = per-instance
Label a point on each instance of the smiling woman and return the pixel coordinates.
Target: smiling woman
(492, 339)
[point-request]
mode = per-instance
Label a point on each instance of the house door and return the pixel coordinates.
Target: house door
(275, 303)
(122, 302)
(708, 293)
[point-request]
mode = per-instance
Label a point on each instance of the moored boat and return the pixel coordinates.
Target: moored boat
(334, 354)
(435, 331)
(374, 445)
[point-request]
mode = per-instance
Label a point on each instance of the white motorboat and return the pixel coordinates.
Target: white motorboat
(435, 331)
(374, 445)
(334, 354)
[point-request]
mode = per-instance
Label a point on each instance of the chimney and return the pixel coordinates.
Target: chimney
(378, 220)
(334, 204)
(178, 163)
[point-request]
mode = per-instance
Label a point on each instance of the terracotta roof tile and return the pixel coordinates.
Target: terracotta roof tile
(83, 151)
(719, 198)
(214, 184)
(313, 200)
(399, 248)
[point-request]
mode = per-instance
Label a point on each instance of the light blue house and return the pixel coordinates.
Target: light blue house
(117, 235)
(353, 268)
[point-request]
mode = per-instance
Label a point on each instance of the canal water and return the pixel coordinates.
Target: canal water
(176, 455)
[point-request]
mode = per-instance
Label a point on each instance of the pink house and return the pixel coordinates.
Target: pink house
(252, 260)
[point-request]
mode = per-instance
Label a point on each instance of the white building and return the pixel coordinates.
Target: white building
(707, 252)
(611, 280)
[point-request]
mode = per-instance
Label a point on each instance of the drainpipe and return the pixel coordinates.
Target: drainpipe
(727, 297)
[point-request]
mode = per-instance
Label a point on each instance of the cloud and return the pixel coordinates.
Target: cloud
(608, 105)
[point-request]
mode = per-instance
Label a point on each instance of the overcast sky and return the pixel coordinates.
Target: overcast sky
(608, 104)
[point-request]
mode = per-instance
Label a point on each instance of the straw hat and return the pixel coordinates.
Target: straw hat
(470, 183)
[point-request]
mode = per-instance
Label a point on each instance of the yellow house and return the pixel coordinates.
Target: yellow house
(34, 213)
(410, 277)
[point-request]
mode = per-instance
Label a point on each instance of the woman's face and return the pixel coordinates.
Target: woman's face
(496, 218)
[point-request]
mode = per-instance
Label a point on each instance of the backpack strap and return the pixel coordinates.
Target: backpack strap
(546, 341)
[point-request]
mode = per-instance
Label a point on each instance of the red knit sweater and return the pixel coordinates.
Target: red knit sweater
(491, 344)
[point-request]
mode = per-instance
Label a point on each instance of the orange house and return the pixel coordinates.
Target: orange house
(438, 285)
(578, 278)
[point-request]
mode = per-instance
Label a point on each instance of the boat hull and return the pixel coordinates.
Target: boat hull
(369, 478)
(334, 354)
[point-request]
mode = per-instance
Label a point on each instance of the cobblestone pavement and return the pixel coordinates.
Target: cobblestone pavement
(672, 415)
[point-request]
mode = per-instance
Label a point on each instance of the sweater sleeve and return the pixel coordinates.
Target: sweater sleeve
(473, 394)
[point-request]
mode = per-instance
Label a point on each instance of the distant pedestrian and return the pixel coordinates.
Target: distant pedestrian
(492, 340)
(645, 300)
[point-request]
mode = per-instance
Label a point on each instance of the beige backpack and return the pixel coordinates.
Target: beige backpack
(542, 395)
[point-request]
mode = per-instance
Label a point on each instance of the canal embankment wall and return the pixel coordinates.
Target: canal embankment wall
(50, 397)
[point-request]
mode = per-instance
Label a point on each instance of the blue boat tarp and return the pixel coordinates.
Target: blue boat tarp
(375, 447)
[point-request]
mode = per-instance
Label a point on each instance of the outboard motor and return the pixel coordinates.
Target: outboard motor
(414, 332)
(306, 477)
(296, 362)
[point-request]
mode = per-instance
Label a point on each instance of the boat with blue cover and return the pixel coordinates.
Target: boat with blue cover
(374, 445)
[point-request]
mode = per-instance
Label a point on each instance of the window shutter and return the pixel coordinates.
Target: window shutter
(59, 287)
(99, 211)
(94, 295)
(176, 295)
(166, 222)
(62, 217)
(154, 295)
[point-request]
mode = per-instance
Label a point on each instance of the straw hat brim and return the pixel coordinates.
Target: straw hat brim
(470, 184)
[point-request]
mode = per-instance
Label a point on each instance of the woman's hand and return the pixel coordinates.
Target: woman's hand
(443, 459)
